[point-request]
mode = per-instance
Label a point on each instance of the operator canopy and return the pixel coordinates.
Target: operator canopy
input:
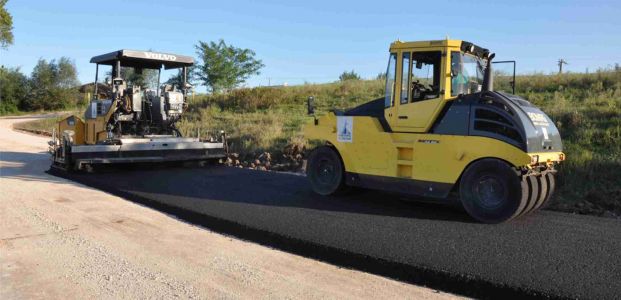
(144, 59)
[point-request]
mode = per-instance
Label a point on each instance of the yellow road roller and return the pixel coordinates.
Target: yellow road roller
(440, 129)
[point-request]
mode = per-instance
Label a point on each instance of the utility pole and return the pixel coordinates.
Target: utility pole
(561, 62)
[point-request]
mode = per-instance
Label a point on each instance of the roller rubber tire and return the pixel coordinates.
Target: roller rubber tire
(533, 193)
(325, 171)
(491, 191)
(543, 192)
(522, 210)
(549, 177)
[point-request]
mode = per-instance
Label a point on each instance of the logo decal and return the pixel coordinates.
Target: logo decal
(429, 141)
(538, 119)
(344, 129)
(162, 56)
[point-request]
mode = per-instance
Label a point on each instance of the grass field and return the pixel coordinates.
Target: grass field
(41, 125)
(585, 107)
(267, 119)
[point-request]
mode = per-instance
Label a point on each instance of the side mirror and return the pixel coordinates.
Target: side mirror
(310, 105)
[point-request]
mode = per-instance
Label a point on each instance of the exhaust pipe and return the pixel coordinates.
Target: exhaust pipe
(488, 79)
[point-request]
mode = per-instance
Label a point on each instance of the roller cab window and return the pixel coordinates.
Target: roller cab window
(390, 80)
(467, 72)
(424, 80)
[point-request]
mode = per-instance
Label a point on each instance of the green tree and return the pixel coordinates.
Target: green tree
(13, 90)
(67, 74)
(224, 66)
(41, 83)
(349, 76)
(6, 26)
(177, 79)
(53, 85)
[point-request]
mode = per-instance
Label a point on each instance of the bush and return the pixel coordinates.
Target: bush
(349, 76)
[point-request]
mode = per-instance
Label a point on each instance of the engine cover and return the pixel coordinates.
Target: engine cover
(167, 108)
(174, 102)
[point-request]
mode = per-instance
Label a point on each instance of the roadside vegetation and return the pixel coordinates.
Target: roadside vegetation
(44, 126)
(266, 118)
(52, 86)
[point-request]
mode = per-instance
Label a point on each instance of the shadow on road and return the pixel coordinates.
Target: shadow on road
(240, 186)
(250, 187)
(26, 166)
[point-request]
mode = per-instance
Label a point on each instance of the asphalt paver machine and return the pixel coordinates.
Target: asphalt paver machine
(129, 123)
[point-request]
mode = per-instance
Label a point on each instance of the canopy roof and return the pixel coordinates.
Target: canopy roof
(463, 45)
(144, 59)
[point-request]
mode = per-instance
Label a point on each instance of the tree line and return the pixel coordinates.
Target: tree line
(52, 85)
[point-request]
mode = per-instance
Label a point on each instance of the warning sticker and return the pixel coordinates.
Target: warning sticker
(344, 129)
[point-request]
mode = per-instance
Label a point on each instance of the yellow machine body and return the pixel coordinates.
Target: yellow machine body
(419, 156)
(87, 132)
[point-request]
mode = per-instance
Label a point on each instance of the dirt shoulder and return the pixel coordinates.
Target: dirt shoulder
(60, 239)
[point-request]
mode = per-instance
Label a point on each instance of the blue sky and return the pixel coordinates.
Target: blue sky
(315, 41)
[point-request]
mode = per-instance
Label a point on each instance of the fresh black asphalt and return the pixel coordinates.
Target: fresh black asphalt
(544, 255)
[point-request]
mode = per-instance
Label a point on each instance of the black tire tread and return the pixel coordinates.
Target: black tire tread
(525, 197)
(549, 177)
(515, 203)
(543, 192)
(533, 194)
(330, 152)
